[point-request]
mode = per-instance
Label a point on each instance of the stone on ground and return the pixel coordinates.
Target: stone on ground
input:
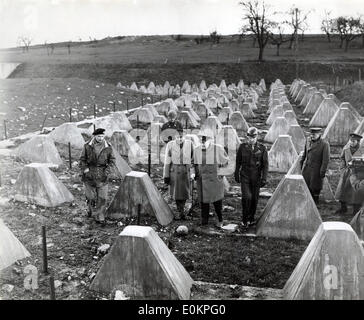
(136, 190)
(331, 268)
(291, 212)
(141, 261)
(37, 184)
(11, 249)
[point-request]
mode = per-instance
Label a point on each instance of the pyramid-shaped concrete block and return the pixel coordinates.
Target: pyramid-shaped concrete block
(290, 117)
(324, 113)
(152, 109)
(136, 190)
(335, 98)
(360, 128)
(192, 112)
(282, 154)
(314, 103)
(234, 104)
(133, 86)
(340, 126)
(37, 184)
(276, 112)
(41, 149)
(212, 123)
(187, 120)
(287, 106)
(331, 268)
(143, 115)
(326, 193)
(238, 121)
(357, 223)
(298, 137)
(125, 144)
(224, 114)
(280, 126)
(301, 94)
(11, 249)
(140, 263)
(307, 97)
(203, 85)
(295, 169)
(352, 109)
(113, 122)
(121, 166)
(247, 111)
(68, 133)
(160, 119)
(229, 138)
(291, 212)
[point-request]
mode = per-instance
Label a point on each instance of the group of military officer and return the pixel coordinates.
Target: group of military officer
(205, 162)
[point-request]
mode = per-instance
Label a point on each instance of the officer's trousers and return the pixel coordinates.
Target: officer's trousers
(205, 209)
(98, 195)
(249, 198)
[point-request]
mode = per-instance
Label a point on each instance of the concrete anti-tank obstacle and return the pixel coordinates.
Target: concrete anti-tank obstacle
(37, 184)
(314, 103)
(298, 137)
(295, 169)
(41, 149)
(185, 118)
(357, 223)
(280, 126)
(213, 123)
(282, 154)
(68, 133)
(276, 112)
(11, 249)
(224, 114)
(247, 111)
(138, 190)
(340, 126)
(141, 265)
(360, 128)
(326, 193)
(291, 212)
(143, 115)
(290, 117)
(331, 268)
(125, 144)
(121, 166)
(324, 113)
(307, 97)
(238, 122)
(352, 109)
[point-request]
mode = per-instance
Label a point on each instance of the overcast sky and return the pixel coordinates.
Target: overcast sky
(65, 20)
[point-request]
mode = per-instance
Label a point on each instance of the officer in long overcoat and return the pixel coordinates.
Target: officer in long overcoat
(208, 158)
(251, 171)
(96, 162)
(314, 162)
(176, 171)
(345, 192)
(357, 182)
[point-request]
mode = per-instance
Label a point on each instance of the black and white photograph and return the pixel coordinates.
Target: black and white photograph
(197, 152)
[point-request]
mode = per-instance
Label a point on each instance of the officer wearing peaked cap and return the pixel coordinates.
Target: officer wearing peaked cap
(251, 171)
(314, 162)
(345, 192)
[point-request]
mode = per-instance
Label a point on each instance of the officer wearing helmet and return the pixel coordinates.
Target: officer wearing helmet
(251, 171)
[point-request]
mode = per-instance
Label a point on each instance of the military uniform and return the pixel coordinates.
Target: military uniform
(314, 162)
(251, 171)
(358, 185)
(99, 159)
(169, 130)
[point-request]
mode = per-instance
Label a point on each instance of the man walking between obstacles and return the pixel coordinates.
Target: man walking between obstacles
(345, 192)
(314, 162)
(96, 161)
(170, 128)
(251, 171)
(176, 171)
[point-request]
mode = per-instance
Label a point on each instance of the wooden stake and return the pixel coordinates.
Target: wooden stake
(70, 114)
(52, 289)
(114, 106)
(5, 130)
(69, 155)
(44, 120)
(127, 104)
(45, 257)
(139, 211)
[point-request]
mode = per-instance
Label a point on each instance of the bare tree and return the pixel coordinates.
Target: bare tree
(328, 25)
(298, 22)
(25, 42)
(349, 29)
(257, 23)
(215, 37)
(278, 37)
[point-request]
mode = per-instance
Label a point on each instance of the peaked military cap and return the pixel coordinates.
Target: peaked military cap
(355, 136)
(98, 131)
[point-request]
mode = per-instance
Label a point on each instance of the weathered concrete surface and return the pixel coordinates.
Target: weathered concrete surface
(290, 212)
(138, 189)
(68, 133)
(37, 184)
(7, 68)
(141, 261)
(143, 115)
(41, 149)
(357, 223)
(290, 117)
(331, 268)
(282, 154)
(125, 144)
(324, 113)
(326, 192)
(276, 112)
(298, 137)
(340, 126)
(11, 249)
(280, 126)
(247, 110)
(314, 103)
(187, 120)
(238, 121)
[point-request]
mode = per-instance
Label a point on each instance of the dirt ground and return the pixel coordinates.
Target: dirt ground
(211, 256)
